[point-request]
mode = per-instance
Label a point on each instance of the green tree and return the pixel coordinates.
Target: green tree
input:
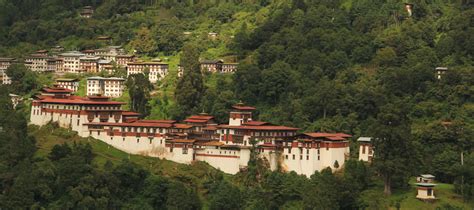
(190, 87)
(143, 42)
(139, 88)
(225, 196)
(395, 154)
(23, 80)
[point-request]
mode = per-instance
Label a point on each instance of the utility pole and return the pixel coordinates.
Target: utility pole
(462, 177)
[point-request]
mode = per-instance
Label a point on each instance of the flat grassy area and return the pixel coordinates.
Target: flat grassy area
(444, 192)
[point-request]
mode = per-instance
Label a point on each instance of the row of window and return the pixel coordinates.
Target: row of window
(301, 157)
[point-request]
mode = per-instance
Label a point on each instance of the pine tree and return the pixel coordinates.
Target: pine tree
(139, 88)
(190, 88)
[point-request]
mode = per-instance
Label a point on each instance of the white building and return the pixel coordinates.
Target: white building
(366, 152)
(4, 64)
(111, 87)
(440, 71)
(226, 147)
(71, 84)
(156, 70)
(37, 62)
(71, 61)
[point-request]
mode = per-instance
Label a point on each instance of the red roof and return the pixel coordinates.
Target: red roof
(245, 108)
(182, 126)
(210, 128)
(78, 100)
(213, 143)
(57, 90)
(201, 117)
(256, 123)
(133, 124)
(159, 121)
(127, 113)
(264, 127)
(182, 141)
(330, 136)
(195, 121)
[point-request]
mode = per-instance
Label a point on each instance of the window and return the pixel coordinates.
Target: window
(138, 140)
(430, 192)
(363, 149)
(318, 157)
(301, 157)
(286, 157)
(307, 151)
(289, 150)
(293, 157)
(307, 157)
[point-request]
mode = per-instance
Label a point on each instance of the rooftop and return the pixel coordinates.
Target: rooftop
(72, 54)
(66, 80)
(329, 136)
(365, 139)
(256, 127)
(78, 100)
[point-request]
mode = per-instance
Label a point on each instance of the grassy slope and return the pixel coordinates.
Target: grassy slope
(197, 173)
(444, 192)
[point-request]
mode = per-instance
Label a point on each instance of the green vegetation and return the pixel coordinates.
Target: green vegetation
(361, 67)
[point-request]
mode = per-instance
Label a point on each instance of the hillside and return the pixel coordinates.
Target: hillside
(366, 68)
(199, 173)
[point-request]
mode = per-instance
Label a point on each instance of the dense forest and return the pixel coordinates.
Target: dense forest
(360, 67)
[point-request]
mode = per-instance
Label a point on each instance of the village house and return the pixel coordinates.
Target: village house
(212, 35)
(366, 152)
(123, 60)
(156, 70)
(88, 52)
(55, 65)
(106, 39)
(71, 84)
(16, 99)
(180, 71)
(4, 64)
(212, 66)
(71, 61)
(57, 49)
(229, 67)
(105, 65)
(218, 66)
(86, 12)
(440, 71)
(89, 64)
(110, 87)
(227, 147)
(37, 62)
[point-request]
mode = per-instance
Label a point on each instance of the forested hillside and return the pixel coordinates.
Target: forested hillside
(363, 67)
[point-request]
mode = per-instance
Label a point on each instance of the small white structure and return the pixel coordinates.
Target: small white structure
(366, 152)
(16, 99)
(425, 185)
(440, 71)
(409, 9)
(425, 191)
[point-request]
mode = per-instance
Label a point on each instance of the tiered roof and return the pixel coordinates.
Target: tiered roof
(329, 136)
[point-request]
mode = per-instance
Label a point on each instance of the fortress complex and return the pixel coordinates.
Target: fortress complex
(198, 138)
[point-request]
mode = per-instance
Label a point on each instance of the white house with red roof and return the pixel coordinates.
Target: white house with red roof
(198, 138)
